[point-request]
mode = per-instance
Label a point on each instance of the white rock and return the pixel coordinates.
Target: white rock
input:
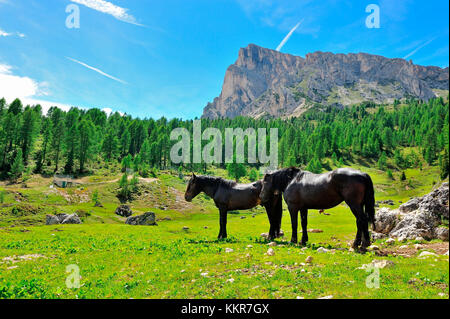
(446, 254)
(309, 259)
(379, 264)
(229, 250)
(390, 241)
(204, 274)
(401, 239)
(249, 246)
(419, 238)
(326, 297)
(230, 280)
(374, 247)
(426, 254)
(418, 246)
(322, 250)
(298, 297)
(272, 244)
(403, 247)
(383, 263)
(270, 252)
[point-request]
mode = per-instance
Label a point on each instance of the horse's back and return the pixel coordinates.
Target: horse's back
(242, 196)
(322, 191)
(348, 175)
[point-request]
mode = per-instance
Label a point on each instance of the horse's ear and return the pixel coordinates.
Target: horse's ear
(193, 176)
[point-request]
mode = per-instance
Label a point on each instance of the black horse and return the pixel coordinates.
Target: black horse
(304, 190)
(229, 195)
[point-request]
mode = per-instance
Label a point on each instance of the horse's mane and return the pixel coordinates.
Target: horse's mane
(282, 177)
(213, 180)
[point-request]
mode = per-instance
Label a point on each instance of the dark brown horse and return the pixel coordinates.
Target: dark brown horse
(229, 195)
(304, 190)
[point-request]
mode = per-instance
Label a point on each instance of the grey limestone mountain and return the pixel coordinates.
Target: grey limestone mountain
(264, 82)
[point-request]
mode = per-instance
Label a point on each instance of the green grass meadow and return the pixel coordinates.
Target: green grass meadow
(116, 260)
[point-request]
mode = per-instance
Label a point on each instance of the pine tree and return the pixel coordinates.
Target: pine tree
(17, 167)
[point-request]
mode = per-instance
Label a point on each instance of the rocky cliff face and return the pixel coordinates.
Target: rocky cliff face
(265, 82)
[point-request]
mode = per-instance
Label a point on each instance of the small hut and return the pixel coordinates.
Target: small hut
(63, 181)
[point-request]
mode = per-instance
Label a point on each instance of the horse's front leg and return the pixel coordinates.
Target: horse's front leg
(223, 223)
(270, 216)
(293, 211)
(304, 217)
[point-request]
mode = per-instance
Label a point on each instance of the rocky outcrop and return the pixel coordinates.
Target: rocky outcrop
(264, 82)
(62, 219)
(146, 219)
(124, 211)
(419, 217)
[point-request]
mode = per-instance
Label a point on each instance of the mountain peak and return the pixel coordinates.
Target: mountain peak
(265, 82)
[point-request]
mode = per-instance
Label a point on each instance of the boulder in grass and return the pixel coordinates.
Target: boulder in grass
(385, 220)
(72, 219)
(51, 220)
(146, 219)
(124, 211)
(441, 233)
(409, 206)
(62, 219)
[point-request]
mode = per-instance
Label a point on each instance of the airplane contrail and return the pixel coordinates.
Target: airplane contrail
(280, 46)
(97, 70)
(418, 48)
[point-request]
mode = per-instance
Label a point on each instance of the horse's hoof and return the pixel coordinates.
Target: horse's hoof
(362, 250)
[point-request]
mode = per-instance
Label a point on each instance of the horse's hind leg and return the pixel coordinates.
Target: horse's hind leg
(293, 211)
(363, 227)
(278, 214)
(304, 218)
(365, 231)
(356, 212)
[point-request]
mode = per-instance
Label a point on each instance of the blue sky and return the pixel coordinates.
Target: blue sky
(152, 58)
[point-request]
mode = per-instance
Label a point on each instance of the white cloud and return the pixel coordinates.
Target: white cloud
(9, 34)
(280, 46)
(30, 91)
(110, 111)
(26, 89)
(109, 8)
(97, 70)
(13, 86)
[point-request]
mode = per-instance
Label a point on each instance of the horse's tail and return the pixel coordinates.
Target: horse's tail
(369, 201)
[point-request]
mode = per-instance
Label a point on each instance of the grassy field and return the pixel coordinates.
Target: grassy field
(168, 261)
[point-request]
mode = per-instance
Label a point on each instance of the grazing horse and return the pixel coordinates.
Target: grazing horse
(229, 195)
(304, 190)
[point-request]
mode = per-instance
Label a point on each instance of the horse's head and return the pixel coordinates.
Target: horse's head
(268, 188)
(192, 189)
(276, 182)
